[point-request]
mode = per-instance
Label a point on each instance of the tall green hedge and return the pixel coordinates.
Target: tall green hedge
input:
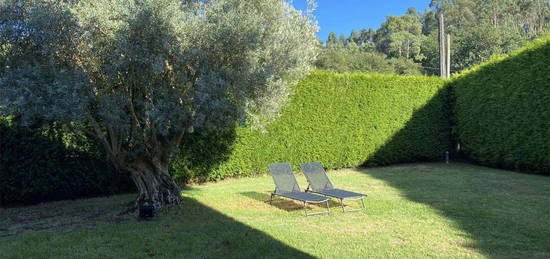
(502, 110)
(341, 120)
(50, 163)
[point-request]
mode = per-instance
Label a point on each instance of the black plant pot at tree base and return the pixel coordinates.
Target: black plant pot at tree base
(146, 211)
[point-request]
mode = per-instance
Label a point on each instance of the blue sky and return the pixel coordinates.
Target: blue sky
(341, 16)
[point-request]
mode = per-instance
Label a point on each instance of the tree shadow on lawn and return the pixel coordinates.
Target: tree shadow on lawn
(505, 213)
(60, 216)
(285, 203)
(191, 230)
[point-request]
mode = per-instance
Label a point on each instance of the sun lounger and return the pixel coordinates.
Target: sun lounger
(287, 186)
(319, 183)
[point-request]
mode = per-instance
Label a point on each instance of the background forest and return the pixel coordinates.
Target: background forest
(408, 44)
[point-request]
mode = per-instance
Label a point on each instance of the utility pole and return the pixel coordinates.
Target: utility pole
(448, 57)
(442, 54)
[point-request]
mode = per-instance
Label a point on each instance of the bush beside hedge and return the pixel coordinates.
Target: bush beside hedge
(341, 120)
(48, 163)
(502, 110)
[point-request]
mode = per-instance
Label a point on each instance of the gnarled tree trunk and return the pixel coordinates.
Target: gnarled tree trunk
(148, 166)
(154, 183)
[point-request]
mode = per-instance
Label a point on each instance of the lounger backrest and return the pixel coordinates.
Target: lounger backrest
(283, 177)
(316, 176)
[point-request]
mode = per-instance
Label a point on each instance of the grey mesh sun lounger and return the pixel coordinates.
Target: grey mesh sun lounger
(286, 186)
(319, 183)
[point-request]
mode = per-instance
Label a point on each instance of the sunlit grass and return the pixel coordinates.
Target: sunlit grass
(422, 210)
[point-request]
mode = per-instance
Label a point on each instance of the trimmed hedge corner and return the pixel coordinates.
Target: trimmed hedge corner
(502, 110)
(341, 120)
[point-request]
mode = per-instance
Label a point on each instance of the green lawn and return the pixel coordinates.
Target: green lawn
(419, 210)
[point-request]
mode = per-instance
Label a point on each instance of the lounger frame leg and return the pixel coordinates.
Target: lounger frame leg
(362, 205)
(272, 195)
(316, 213)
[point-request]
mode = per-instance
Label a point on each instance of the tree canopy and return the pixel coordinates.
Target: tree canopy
(138, 74)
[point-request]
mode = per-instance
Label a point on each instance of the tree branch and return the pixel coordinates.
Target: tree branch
(100, 136)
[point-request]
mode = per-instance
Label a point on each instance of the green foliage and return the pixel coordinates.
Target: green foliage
(430, 49)
(473, 46)
(332, 41)
(502, 109)
(49, 163)
(479, 29)
(354, 58)
(347, 60)
(140, 74)
(401, 36)
(405, 66)
(343, 41)
(355, 37)
(341, 120)
(482, 28)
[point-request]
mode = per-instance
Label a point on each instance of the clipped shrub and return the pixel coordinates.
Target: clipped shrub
(48, 163)
(502, 110)
(341, 120)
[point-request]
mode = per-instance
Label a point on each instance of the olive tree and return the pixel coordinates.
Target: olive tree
(139, 74)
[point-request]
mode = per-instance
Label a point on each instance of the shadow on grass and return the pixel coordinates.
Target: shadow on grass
(278, 202)
(224, 236)
(502, 212)
(191, 230)
(285, 203)
(61, 216)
